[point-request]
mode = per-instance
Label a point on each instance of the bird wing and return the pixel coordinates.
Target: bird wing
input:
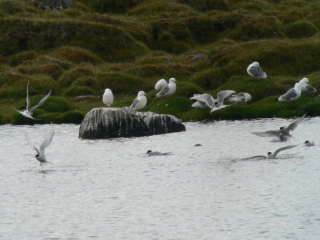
(282, 149)
(223, 94)
(134, 103)
(33, 147)
(310, 88)
(259, 156)
(204, 98)
(295, 124)
(257, 71)
(289, 95)
(163, 91)
(199, 104)
(40, 102)
(46, 142)
(160, 84)
(272, 133)
(28, 100)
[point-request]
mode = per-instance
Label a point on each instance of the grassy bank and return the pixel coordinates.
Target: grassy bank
(130, 45)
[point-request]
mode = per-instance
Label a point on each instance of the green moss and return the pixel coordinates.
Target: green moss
(206, 5)
(112, 6)
(301, 30)
(73, 117)
(68, 77)
(19, 58)
(47, 118)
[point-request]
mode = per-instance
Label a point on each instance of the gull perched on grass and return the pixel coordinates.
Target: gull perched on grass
(108, 97)
(150, 153)
(283, 133)
(272, 155)
(168, 90)
(241, 97)
(291, 94)
(29, 111)
(139, 102)
(203, 100)
(255, 71)
(41, 157)
(306, 87)
(218, 103)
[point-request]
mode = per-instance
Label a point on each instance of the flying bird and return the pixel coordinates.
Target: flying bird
(241, 97)
(255, 71)
(150, 153)
(139, 102)
(40, 156)
(283, 133)
(291, 94)
(272, 155)
(167, 90)
(108, 97)
(203, 100)
(29, 111)
(218, 103)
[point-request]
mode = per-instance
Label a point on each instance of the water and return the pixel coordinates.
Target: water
(110, 189)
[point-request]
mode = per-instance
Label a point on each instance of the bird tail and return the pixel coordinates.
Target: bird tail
(268, 77)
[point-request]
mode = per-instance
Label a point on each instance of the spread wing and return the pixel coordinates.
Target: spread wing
(46, 142)
(295, 124)
(271, 133)
(223, 94)
(40, 102)
(33, 147)
(204, 98)
(282, 149)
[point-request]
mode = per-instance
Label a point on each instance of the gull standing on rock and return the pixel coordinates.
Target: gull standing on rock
(29, 111)
(291, 94)
(218, 103)
(139, 102)
(255, 71)
(167, 90)
(108, 97)
(41, 157)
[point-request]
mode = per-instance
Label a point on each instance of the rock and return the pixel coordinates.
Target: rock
(109, 122)
(55, 4)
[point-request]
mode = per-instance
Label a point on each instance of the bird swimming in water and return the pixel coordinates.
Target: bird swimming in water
(272, 155)
(139, 102)
(108, 97)
(150, 153)
(168, 90)
(254, 70)
(29, 111)
(40, 156)
(309, 144)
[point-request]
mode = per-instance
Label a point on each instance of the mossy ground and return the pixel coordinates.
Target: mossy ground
(129, 45)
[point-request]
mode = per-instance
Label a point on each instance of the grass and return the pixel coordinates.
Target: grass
(129, 45)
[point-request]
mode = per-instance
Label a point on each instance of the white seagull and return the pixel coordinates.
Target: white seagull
(160, 84)
(140, 101)
(29, 111)
(291, 94)
(150, 153)
(41, 157)
(255, 71)
(241, 97)
(283, 133)
(272, 155)
(218, 103)
(167, 90)
(203, 100)
(108, 97)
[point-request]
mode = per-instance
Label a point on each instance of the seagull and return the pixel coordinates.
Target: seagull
(255, 71)
(203, 100)
(108, 97)
(283, 133)
(272, 155)
(241, 97)
(309, 144)
(160, 84)
(29, 112)
(307, 88)
(218, 103)
(291, 94)
(140, 101)
(150, 153)
(41, 157)
(168, 90)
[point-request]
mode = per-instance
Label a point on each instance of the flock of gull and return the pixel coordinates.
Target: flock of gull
(205, 100)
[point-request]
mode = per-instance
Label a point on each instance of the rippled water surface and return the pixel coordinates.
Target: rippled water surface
(110, 189)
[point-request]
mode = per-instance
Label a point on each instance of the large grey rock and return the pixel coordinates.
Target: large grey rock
(55, 4)
(123, 122)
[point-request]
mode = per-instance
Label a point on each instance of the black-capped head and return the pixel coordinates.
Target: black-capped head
(37, 155)
(269, 153)
(216, 103)
(306, 142)
(149, 151)
(281, 128)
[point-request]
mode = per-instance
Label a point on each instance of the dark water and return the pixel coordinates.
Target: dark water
(110, 189)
